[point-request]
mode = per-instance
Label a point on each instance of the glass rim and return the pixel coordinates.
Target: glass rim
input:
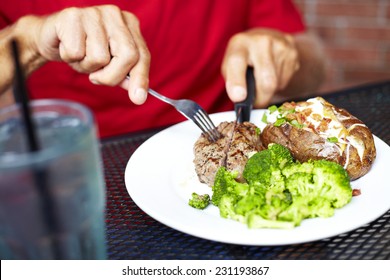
(21, 160)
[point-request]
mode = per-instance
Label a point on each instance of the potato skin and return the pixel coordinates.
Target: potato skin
(306, 144)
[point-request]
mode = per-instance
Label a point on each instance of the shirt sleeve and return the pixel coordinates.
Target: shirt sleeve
(277, 14)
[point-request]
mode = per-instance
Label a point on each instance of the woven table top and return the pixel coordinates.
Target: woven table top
(132, 234)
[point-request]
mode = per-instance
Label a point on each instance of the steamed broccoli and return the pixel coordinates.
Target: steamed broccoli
(304, 207)
(275, 202)
(199, 201)
(279, 192)
(224, 183)
(320, 178)
(333, 181)
(257, 221)
(227, 208)
(263, 166)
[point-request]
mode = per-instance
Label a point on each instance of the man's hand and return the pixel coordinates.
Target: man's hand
(102, 41)
(274, 57)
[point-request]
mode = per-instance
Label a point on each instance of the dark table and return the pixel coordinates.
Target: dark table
(132, 234)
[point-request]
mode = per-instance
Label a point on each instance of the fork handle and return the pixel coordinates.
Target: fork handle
(156, 94)
(161, 97)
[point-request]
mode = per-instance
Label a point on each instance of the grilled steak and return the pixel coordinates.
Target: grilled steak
(232, 150)
(245, 142)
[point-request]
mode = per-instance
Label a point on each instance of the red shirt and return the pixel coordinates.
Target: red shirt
(187, 41)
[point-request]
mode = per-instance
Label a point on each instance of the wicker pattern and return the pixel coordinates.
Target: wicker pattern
(131, 234)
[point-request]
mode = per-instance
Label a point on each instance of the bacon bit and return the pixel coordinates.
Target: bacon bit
(356, 192)
(316, 117)
(307, 112)
(301, 118)
(324, 125)
(305, 103)
(291, 116)
(289, 105)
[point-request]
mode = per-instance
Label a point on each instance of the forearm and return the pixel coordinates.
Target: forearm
(23, 31)
(311, 72)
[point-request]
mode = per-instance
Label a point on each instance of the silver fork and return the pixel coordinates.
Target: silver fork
(192, 111)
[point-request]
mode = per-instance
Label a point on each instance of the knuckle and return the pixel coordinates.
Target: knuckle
(269, 83)
(108, 81)
(235, 59)
(72, 55)
(99, 57)
(112, 8)
(129, 56)
(145, 54)
(71, 14)
(134, 19)
(294, 55)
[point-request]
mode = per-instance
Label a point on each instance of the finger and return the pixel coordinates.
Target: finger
(139, 74)
(234, 68)
(289, 68)
(264, 72)
(47, 38)
(71, 34)
(286, 62)
(97, 48)
(123, 49)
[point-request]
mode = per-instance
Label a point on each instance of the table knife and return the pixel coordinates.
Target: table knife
(243, 109)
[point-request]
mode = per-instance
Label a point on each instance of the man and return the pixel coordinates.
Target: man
(181, 47)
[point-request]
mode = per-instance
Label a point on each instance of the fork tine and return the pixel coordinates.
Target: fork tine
(192, 110)
(210, 123)
(200, 123)
(202, 117)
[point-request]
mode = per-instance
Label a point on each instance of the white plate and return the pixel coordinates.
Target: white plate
(160, 178)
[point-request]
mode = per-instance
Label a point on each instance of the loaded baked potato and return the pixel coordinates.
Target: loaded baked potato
(316, 129)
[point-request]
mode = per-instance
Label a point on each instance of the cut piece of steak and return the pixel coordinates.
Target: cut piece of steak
(232, 150)
(245, 142)
(209, 156)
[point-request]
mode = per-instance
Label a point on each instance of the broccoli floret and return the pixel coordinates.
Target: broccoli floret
(303, 207)
(306, 167)
(317, 188)
(260, 168)
(250, 202)
(257, 221)
(280, 155)
(334, 181)
(227, 208)
(199, 201)
(296, 212)
(225, 183)
(320, 178)
(301, 184)
(275, 202)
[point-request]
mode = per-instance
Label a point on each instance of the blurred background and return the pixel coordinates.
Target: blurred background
(356, 37)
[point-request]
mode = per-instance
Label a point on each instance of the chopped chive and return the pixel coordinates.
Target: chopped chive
(333, 139)
(296, 124)
(264, 118)
(279, 122)
(272, 108)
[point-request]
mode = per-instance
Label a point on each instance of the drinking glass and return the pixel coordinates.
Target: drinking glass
(52, 201)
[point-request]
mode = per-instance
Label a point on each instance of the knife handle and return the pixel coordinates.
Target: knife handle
(246, 105)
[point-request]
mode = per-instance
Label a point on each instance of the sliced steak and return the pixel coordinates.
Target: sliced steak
(232, 150)
(245, 142)
(209, 156)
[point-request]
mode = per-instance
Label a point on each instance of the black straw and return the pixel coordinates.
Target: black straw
(40, 174)
(21, 97)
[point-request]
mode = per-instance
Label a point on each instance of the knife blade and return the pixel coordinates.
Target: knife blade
(243, 109)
